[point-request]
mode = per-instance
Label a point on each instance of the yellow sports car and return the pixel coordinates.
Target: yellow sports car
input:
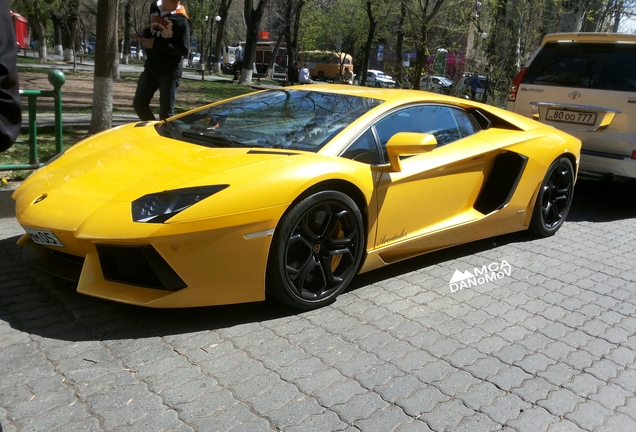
(288, 193)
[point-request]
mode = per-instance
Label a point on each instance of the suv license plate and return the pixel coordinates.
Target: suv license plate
(43, 237)
(567, 116)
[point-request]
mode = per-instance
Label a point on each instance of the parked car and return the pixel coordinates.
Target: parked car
(464, 89)
(585, 84)
(436, 84)
(195, 59)
(377, 78)
(288, 194)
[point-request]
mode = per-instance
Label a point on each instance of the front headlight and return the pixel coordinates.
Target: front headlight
(161, 206)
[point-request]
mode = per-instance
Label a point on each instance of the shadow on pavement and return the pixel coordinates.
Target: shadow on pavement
(51, 308)
(48, 307)
(599, 201)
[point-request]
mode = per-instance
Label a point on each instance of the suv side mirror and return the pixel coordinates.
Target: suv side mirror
(408, 143)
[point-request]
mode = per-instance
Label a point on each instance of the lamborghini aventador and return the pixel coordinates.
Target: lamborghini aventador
(288, 193)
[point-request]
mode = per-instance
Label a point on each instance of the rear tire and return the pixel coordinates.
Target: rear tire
(316, 250)
(554, 199)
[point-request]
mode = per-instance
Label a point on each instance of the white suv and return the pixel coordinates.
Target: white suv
(377, 78)
(585, 84)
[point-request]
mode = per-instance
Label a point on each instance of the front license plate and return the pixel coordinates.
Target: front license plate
(43, 237)
(567, 116)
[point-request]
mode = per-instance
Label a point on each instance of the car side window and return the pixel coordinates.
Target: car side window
(467, 123)
(364, 149)
(432, 119)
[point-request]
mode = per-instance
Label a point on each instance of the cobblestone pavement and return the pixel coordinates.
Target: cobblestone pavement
(548, 344)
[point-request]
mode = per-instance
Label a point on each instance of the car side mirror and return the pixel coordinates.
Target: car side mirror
(408, 143)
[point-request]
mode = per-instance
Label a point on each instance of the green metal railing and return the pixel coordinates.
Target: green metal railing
(57, 79)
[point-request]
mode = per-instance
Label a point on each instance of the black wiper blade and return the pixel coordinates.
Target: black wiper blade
(166, 129)
(219, 140)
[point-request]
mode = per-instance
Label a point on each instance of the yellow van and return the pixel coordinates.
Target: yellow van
(324, 65)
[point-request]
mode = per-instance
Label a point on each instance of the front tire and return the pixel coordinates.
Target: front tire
(316, 250)
(554, 199)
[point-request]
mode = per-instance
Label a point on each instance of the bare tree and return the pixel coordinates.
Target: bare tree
(292, 26)
(253, 16)
(224, 10)
(421, 16)
(367, 48)
(105, 66)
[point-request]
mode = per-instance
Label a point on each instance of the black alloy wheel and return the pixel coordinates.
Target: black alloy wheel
(554, 199)
(316, 250)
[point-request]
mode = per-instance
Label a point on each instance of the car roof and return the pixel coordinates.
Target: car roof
(397, 96)
(589, 37)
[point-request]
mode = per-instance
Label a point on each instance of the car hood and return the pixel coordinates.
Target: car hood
(117, 167)
(109, 167)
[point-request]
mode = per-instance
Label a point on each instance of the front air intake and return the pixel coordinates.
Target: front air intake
(138, 265)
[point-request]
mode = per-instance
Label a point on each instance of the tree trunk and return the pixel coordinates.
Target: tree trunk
(399, 44)
(58, 46)
(593, 15)
(572, 16)
(292, 26)
(253, 19)
(367, 48)
(127, 25)
(105, 66)
(218, 47)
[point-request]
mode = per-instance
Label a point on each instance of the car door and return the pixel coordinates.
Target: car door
(436, 189)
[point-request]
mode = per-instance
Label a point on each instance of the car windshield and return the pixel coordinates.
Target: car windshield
(278, 118)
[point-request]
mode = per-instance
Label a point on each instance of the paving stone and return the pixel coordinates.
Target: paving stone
(293, 413)
(534, 390)
(611, 396)
(383, 420)
(477, 422)
(561, 402)
(133, 411)
(319, 380)
(479, 395)
(325, 421)
(535, 419)
(207, 405)
(229, 419)
(510, 377)
(506, 408)
(447, 415)
(619, 422)
(604, 369)
(360, 407)
(400, 388)
(339, 393)
(423, 400)
(589, 415)
(275, 398)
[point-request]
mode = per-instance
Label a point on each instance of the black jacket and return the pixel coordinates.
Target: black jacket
(10, 102)
(171, 33)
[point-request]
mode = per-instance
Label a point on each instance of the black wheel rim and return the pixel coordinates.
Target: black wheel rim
(556, 196)
(322, 251)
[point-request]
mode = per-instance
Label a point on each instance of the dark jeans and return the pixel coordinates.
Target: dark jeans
(147, 85)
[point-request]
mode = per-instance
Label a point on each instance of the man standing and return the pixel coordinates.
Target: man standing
(10, 102)
(167, 42)
(239, 53)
